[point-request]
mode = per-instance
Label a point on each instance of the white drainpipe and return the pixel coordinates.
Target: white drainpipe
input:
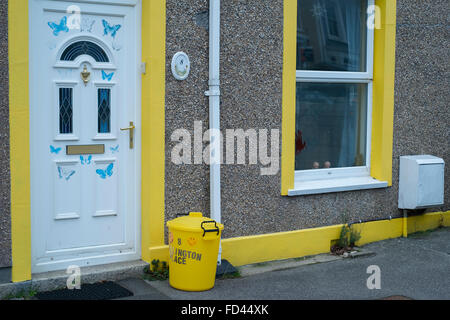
(214, 108)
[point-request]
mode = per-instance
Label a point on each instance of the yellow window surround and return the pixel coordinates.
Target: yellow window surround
(383, 94)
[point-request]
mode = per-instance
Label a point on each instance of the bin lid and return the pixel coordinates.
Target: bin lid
(193, 222)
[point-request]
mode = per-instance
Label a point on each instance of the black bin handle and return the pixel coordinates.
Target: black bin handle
(216, 229)
(182, 214)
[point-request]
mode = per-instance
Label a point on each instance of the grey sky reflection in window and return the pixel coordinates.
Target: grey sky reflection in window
(331, 35)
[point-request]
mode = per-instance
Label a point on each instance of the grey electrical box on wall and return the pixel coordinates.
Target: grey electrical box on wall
(421, 182)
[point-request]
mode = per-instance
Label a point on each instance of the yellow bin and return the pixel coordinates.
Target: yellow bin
(193, 248)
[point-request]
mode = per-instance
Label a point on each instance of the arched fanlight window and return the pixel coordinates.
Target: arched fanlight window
(84, 47)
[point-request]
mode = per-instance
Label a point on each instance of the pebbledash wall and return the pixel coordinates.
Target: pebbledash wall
(252, 97)
(5, 218)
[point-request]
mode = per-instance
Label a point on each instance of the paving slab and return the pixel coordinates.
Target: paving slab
(5, 275)
(258, 268)
(141, 290)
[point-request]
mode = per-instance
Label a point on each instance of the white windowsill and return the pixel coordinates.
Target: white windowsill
(335, 185)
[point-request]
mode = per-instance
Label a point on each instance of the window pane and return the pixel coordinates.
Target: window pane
(104, 110)
(65, 110)
(331, 35)
(331, 125)
(84, 47)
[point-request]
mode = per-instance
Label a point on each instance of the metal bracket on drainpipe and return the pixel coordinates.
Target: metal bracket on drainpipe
(212, 93)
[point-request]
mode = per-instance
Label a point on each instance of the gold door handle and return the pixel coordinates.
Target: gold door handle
(131, 129)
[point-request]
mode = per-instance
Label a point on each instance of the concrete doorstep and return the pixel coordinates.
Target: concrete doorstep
(49, 281)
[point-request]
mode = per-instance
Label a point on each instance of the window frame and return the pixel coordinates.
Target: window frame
(112, 134)
(302, 177)
(385, 18)
(57, 135)
(61, 91)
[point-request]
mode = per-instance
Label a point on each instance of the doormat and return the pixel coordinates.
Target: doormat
(96, 291)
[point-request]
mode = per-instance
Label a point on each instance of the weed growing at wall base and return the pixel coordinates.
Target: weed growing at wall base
(156, 271)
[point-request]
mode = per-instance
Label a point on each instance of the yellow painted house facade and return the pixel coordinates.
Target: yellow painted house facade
(265, 217)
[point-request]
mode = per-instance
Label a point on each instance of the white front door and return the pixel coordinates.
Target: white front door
(84, 87)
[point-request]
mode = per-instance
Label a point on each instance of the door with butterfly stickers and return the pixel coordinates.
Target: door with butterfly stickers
(84, 88)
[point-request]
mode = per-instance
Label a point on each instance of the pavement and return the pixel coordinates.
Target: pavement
(416, 267)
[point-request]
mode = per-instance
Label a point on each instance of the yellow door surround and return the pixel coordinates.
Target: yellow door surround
(153, 131)
(19, 139)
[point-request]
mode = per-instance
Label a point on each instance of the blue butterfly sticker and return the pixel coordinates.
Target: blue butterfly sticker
(107, 172)
(51, 45)
(107, 76)
(86, 25)
(57, 28)
(116, 46)
(86, 161)
(110, 29)
(114, 149)
(65, 173)
(54, 150)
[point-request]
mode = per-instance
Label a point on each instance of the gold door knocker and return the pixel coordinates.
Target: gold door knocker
(85, 75)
